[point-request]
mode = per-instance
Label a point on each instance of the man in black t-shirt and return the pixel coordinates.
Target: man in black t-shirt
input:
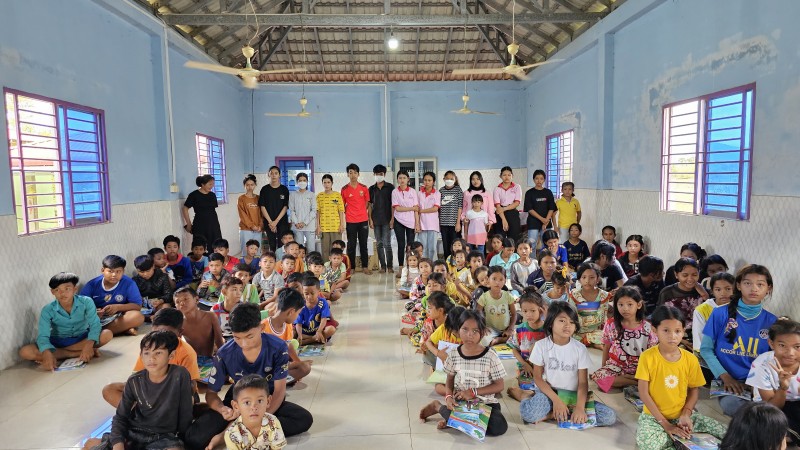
(274, 202)
(380, 216)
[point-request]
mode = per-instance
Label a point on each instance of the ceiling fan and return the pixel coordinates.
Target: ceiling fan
(465, 98)
(303, 101)
(512, 68)
(248, 74)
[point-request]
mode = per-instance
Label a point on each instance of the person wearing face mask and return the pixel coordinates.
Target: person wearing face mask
(450, 211)
(381, 219)
(303, 213)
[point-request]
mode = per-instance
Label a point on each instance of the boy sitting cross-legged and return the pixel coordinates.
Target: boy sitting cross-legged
(221, 246)
(68, 326)
(180, 265)
(290, 303)
(115, 294)
(288, 263)
(314, 324)
(336, 271)
(268, 280)
(249, 352)
(255, 428)
(167, 319)
(250, 293)
(156, 406)
(153, 284)
(200, 328)
(209, 289)
(317, 267)
(232, 289)
(347, 271)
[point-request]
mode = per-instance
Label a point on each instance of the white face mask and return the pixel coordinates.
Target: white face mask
(302, 185)
(379, 178)
(449, 183)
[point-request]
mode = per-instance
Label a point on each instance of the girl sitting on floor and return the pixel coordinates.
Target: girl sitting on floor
(439, 305)
(446, 332)
(498, 307)
(408, 275)
(543, 277)
(523, 266)
(591, 304)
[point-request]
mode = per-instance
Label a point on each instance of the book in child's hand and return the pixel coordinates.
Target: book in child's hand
(205, 364)
(437, 377)
(504, 351)
(70, 364)
(570, 398)
(525, 382)
(105, 320)
(471, 419)
(446, 346)
(311, 350)
(632, 395)
(698, 441)
(207, 302)
(717, 389)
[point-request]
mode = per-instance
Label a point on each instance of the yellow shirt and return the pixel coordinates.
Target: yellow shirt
(442, 335)
(567, 212)
(669, 381)
(329, 206)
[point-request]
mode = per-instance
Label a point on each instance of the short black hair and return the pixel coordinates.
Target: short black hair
(554, 310)
(288, 257)
(185, 289)
(477, 316)
(155, 340)
(114, 262)
(229, 281)
(339, 242)
(352, 166)
(294, 277)
(379, 168)
(782, 327)
(684, 263)
(290, 299)
(309, 280)
(291, 243)
(269, 254)
(756, 425)
(251, 381)
(649, 265)
(216, 257)
(63, 278)
(439, 262)
(153, 252)
(314, 259)
(252, 242)
(474, 254)
(168, 317)
(549, 234)
(143, 263)
(245, 317)
(287, 233)
(539, 172)
(327, 176)
(477, 198)
(171, 238)
(241, 267)
(220, 243)
(336, 251)
(199, 241)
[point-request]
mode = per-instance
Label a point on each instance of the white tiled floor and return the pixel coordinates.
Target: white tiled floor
(366, 392)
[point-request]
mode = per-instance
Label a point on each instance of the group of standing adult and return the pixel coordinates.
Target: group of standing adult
(421, 215)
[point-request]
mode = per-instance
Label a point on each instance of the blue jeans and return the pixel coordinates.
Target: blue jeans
(478, 248)
(428, 239)
(533, 236)
(536, 408)
(383, 236)
(245, 235)
(306, 237)
(730, 404)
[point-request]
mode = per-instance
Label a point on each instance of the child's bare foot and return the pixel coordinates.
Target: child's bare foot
(132, 331)
(518, 394)
(441, 425)
(546, 418)
(405, 331)
(97, 353)
(429, 410)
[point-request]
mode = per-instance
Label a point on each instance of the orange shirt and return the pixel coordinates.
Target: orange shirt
(287, 334)
(184, 356)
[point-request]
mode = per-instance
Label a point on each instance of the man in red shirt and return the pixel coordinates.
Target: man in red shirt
(356, 197)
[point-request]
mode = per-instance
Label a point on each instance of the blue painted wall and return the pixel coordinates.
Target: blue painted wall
(649, 53)
(116, 65)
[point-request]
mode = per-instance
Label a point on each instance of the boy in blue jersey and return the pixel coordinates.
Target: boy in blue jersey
(249, 352)
(68, 327)
(314, 324)
(116, 295)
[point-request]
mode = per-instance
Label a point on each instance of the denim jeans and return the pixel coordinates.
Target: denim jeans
(383, 235)
(429, 240)
(533, 236)
(245, 235)
(478, 248)
(536, 408)
(306, 237)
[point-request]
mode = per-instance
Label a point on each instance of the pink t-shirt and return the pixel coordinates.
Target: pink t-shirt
(429, 221)
(505, 197)
(406, 199)
(488, 204)
(476, 231)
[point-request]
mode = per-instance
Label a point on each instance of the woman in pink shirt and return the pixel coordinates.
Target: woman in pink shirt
(428, 229)
(405, 206)
(476, 188)
(507, 197)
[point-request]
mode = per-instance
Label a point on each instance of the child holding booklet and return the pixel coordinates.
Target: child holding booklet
(530, 331)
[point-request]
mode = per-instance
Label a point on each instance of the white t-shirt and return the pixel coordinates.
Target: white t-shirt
(561, 362)
(762, 376)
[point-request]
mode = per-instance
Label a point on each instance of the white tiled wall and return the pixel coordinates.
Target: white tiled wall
(768, 238)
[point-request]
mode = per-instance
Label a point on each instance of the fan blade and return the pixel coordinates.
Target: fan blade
(212, 67)
(297, 70)
(521, 75)
(281, 115)
(541, 63)
(486, 113)
(477, 71)
(461, 111)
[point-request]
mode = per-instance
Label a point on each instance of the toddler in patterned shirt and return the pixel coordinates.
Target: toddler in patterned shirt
(255, 428)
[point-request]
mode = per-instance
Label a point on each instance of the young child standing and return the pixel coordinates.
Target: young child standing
(523, 266)
(156, 404)
(499, 308)
(476, 223)
(591, 304)
(686, 294)
(115, 294)
(568, 209)
(68, 326)
(577, 249)
(733, 336)
(232, 289)
(669, 381)
(525, 337)
(200, 328)
(255, 428)
(560, 363)
(289, 305)
(722, 286)
(474, 373)
(625, 337)
(314, 324)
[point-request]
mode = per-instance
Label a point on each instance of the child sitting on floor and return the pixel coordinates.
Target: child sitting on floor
(482, 279)
(474, 373)
(315, 323)
(232, 289)
(348, 265)
(407, 276)
(721, 285)
(421, 282)
(650, 281)
(499, 308)
(68, 326)
(506, 258)
(550, 241)
(221, 246)
(423, 326)
(286, 237)
(560, 290)
(496, 246)
(153, 284)
(250, 292)
(198, 259)
(591, 304)
(290, 303)
(525, 336)
(255, 428)
(462, 278)
(268, 280)
(288, 263)
(208, 289)
(336, 270)
(116, 295)
(669, 381)
(625, 337)
(446, 332)
(458, 245)
(561, 363)
(156, 406)
(577, 249)
(251, 258)
(543, 277)
(439, 266)
(317, 267)
(757, 425)
(179, 265)
(522, 267)
(686, 295)
(439, 305)
(200, 328)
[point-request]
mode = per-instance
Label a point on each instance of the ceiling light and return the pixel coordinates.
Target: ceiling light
(393, 42)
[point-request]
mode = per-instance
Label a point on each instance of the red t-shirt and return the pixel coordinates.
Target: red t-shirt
(355, 203)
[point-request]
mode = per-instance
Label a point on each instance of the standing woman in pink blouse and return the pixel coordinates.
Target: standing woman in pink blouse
(429, 202)
(476, 188)
(405, 204)
(507, 196)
